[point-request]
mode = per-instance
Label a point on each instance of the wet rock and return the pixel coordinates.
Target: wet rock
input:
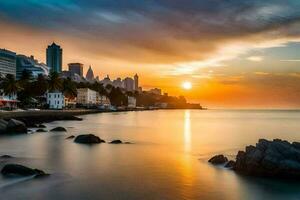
(58, 129)
(70, 137)
(40, 130)
(277, 158)
(88, 139)
(230, 164)
(42, 126)
(6, 156)
(3, 126)
(20, 170)
(116, 142)
(16, 126)
(218, 159)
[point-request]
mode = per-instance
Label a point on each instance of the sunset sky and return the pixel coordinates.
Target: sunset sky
(237, 54)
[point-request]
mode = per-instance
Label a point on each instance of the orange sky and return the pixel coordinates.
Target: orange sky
(232, 59)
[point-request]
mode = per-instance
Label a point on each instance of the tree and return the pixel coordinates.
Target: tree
(40, 85)
(69, 88)
(10, 85)
(116, 97)
(54, 82)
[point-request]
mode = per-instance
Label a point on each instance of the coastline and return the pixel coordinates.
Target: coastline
(31, 118)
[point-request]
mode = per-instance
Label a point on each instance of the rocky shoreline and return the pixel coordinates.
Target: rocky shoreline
(274, 159)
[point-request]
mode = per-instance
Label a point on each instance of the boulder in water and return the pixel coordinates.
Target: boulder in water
(230, 164)
(58, 129)
(42, 126)
(70, 137)
(3, 126)
(40, 130)
(88, 139)
(277, 158)
(16, 126)
(116, 142)
(218, 159)
(6, 156)
(20, 170)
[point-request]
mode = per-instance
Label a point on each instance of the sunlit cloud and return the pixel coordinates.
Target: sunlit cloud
(255, 58)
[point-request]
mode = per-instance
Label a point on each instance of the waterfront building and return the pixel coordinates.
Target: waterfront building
(106, 81)
(55, 100)
(54, 57)
(131, 102)
(76, 68)
(117, 83)
(102, 100)
(136, 82)
(8, 101)
(31, 65)
(90, 74)
(86, 97)
(128, 84)
(73, 76)
(156, 91)
(7, 62)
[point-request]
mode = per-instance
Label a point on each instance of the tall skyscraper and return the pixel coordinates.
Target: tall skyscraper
(90, 74)
(136, 82)
(54, 58)
(7, 62)
(76, 68)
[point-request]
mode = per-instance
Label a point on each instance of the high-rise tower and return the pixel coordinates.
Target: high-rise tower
(54, 58)
(136, 82)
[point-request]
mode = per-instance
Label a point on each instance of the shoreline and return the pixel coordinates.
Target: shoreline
(31, 118)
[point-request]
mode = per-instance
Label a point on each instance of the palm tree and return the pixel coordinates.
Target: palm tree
(54, 82)
(69, 88)
(10, 85)
(40, 85)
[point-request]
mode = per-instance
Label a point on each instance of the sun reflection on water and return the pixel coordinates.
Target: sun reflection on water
(187, 131)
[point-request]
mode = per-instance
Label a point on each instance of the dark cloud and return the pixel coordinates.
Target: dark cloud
(155, 30)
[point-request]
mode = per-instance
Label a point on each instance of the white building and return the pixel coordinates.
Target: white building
(117, 83)
(131, 102)
(55, 100)
(128, 84)
(106, 81)
(86, 96)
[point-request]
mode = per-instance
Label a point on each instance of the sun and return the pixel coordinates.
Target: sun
(187, 85)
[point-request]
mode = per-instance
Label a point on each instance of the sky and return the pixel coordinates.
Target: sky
(236, 54)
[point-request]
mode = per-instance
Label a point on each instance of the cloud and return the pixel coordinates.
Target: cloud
(255, 58)
(290, 60)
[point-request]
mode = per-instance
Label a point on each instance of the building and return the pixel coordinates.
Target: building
(156, 91)
(90, 74)
(55, 100)
(117, 83)
(7, 62)
(106, 81)
(31, 65)
(76, 68)
(8, 101)
(102, 100)
(131, 102)
(128, 84)
(54, 58)
(86, 97)
(136, 82)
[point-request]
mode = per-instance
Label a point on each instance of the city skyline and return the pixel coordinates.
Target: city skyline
(252, 62)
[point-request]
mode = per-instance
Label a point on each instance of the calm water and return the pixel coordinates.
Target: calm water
(168, 159)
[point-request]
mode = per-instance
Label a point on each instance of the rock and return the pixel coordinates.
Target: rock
(3, 126)
(20, 170)
(40, 130)
(58, 129)
(230, 164)
(277, 158)
(6, 156)
(42, 126)
(16, 126)
(116, 142)
(218, 159)
(88, 139)
(70, 137)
